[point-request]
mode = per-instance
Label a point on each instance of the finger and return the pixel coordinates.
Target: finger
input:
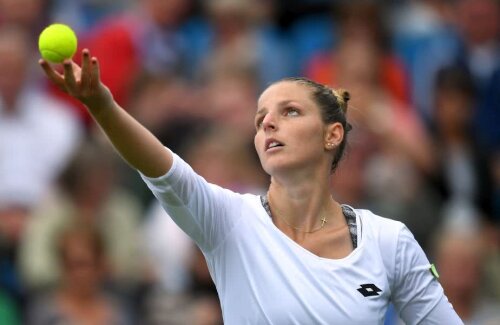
(69, 75)
(96, 73)
(53, 75)
(77, 72)
(49, 71)
(85, 74)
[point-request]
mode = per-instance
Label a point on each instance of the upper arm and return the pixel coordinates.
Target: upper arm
(204, 211)
(417, 295)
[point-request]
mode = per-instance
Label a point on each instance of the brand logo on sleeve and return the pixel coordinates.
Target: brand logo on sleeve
(369, 290)
(434, 271)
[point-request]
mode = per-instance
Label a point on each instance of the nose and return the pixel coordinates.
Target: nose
(269, 123)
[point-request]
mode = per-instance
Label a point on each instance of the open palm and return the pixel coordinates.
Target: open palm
(83, 82)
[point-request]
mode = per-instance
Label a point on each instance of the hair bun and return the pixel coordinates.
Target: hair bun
(345, 95)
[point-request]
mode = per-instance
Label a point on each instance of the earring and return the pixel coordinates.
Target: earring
(330, 145)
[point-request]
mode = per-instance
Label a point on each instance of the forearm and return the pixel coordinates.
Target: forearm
(141, 149)
(136, 144)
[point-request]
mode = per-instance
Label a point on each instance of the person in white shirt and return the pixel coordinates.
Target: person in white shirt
(295, 255)
(38, 135)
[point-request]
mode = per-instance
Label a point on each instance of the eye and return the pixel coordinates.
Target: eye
(292, 111)
(258, 122)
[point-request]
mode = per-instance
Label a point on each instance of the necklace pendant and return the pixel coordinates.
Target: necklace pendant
(323, 221)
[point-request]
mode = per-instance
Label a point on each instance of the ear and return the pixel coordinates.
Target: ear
(334, 133)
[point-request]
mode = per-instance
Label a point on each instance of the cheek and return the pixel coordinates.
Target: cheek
(258, 142)
(310, 138)
(259, 145)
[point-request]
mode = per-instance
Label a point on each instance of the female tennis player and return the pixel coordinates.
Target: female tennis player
(294, 256)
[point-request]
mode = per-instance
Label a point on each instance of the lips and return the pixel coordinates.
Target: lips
(272, 143)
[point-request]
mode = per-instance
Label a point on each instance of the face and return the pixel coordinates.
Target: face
(13, 54)
(459, 254)
(21, 12)
(167, 12)
(81, 266)
(479, 20)
(453, 111)
(290, 132)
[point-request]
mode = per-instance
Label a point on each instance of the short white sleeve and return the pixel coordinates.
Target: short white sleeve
(417, 295)
(204, 211)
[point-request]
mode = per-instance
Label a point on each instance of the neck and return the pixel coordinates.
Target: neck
(86, 299)
(300, 206)
(8, 105)
(454, 137)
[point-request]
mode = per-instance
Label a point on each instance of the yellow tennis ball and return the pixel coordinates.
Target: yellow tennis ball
(57, 42)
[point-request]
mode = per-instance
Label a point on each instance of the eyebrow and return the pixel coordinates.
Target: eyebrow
(260, 111)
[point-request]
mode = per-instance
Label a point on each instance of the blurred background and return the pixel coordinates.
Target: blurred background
(83, 242)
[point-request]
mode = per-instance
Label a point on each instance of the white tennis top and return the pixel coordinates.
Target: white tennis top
(264, 277)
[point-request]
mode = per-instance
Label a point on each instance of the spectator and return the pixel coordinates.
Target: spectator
(148, 37)
(83, 14)
(361, 22)
(37, 137)
(29, 15)
(37, 133)
(479, 24)
(89, 195)
(309, 29)
(462, 174)
(463, 249)
(477, 49)
(174, 110)
(243, 41)
(417, 28)
(80, 298)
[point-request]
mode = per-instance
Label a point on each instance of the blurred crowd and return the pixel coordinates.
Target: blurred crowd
(82, 241)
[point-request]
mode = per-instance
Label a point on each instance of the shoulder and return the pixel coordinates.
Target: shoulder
(382, 233)
(391, 235)
(382, 236)
(43, 309)
(380, 227)
(248, 202)
(387, 231)
(48, 110)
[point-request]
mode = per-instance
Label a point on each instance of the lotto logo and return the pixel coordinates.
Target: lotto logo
(369, 289)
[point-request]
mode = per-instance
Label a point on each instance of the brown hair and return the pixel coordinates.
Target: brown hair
(333, 106)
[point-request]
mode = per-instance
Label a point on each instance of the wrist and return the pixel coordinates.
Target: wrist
(101, 110)
(101, 103)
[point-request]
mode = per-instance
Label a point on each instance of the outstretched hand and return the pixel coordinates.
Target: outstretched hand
(83, 82)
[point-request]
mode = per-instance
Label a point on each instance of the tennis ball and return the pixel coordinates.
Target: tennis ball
(57, 42)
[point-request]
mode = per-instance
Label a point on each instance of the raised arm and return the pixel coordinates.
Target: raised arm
(139, 147)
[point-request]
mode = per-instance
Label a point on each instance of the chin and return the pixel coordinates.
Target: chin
(278, 167)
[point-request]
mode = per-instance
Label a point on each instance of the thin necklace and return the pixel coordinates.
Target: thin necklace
(279, 214)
